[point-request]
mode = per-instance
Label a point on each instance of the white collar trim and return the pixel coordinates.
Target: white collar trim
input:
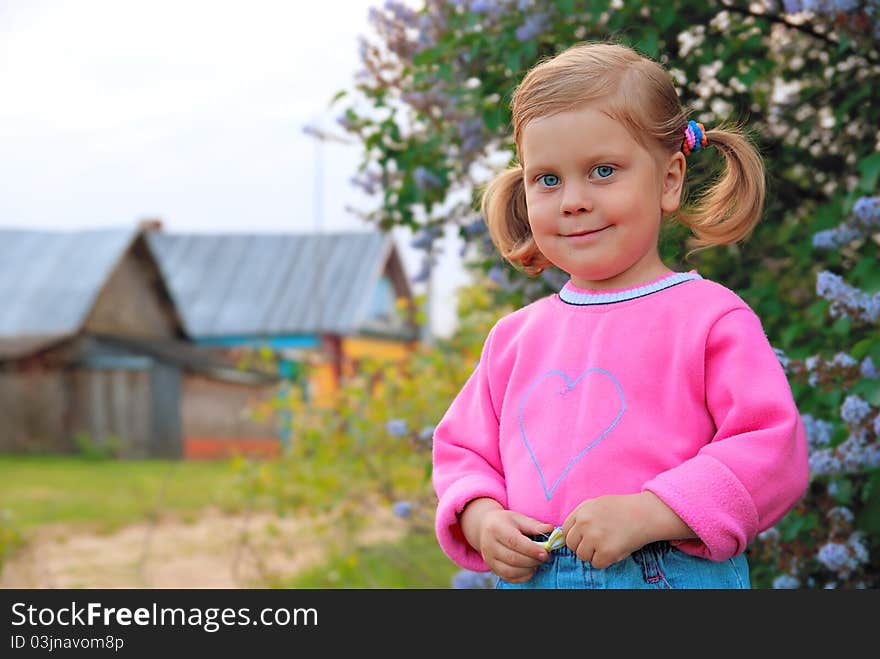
(581, 298)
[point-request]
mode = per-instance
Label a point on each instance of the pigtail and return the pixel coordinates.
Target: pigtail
(728, 211)
(504, 209)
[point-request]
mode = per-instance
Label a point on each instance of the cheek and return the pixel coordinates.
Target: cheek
(539, 208)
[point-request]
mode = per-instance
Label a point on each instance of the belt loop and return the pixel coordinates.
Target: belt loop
(647, 560)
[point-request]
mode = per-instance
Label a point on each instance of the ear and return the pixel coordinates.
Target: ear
(672, 182)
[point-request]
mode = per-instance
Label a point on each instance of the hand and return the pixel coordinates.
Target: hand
(501, 537)
(607, 529)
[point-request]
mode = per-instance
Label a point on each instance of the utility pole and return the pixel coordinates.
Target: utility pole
(321, 136)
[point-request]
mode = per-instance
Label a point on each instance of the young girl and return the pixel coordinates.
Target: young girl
(640, 415)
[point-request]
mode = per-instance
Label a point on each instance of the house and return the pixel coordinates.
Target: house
(136, 336)
(329, 298)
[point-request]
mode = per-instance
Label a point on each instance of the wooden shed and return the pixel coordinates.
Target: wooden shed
(92, 351)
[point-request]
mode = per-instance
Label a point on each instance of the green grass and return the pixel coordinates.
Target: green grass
(416, 561)
(107, 494)
(36, 490)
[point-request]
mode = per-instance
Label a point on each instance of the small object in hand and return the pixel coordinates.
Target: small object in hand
(555, 540)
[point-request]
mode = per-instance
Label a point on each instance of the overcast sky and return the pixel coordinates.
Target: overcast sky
(112, 111)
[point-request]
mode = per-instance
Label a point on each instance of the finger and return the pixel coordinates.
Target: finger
(530, 525)
(573, 538)
(520, 559)
(511, 573)
(585, 551)
(567, 524)
(522, 544)
(521, 577)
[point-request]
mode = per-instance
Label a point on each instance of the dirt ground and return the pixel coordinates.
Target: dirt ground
(214, 550)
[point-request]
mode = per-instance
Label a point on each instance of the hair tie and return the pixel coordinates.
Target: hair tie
(694, 137)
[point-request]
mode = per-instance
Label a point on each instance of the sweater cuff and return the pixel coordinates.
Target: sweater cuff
(448, 529)
(712, 501)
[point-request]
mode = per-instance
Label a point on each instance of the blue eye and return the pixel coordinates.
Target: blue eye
(604, 171)
(549, 180)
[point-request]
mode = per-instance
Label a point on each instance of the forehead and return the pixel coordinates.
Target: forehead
(583, 129)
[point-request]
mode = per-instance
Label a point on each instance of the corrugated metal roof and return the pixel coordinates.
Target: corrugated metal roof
(49, 280)
(222, 284)
(270, 284)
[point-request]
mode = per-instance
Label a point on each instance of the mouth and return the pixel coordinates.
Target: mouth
(584, 233)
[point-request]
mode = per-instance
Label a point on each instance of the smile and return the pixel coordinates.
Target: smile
(583, 234)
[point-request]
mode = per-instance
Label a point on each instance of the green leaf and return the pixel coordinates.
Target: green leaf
(860, 350)
(869, 390)
(869, 519)
(841, 326)
(648, 42)
(843, 491)
(665, 16)
(512, 60)
(338, 95)
(870, 169)
(565, 6)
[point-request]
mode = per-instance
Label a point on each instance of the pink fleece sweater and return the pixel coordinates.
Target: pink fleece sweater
(670, 387)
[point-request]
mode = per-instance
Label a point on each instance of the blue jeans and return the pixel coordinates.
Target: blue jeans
(657, 565)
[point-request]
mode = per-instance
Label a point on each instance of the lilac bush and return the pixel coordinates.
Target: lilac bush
(834, 542)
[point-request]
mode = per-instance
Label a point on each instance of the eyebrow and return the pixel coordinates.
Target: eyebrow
(599, 157)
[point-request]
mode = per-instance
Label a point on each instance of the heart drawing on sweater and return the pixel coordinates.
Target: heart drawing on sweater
(561, 419)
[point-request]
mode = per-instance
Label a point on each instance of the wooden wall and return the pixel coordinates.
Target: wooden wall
(221, 419)
(32, 410)
(133, 302)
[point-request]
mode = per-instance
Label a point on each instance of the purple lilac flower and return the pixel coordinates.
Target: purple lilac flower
(786, 582)
(854, 410)
(426, 434)
(482, 6)
(426, 236)
(556, 278)
(825, 462)
(836, 237)
(845, 5)
(532, 27)
(847, 300)
(496, 274)
(397, 427)
(818, 431)
(840, 517)
(836, 557)
(859, 550)
(771, 535)
(842, 360)
(868, 369)
(867, 212)
(465, 579)
(844, 558)
(425, 179)
(784, 361)
(476, 227)
(424, 272)
(402, 509)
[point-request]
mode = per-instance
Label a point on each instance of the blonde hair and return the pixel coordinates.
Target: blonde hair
(639, 93)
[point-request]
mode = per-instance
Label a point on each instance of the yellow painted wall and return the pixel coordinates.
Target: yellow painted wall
(323, 380)
(323, 384)
(358, 348)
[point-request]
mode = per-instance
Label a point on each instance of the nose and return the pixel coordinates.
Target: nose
(575, 200)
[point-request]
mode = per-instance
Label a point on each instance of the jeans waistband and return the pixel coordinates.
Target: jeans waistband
(659, 545)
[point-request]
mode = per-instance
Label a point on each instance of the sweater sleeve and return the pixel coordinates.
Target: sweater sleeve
(756, 466)
(467, 461)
